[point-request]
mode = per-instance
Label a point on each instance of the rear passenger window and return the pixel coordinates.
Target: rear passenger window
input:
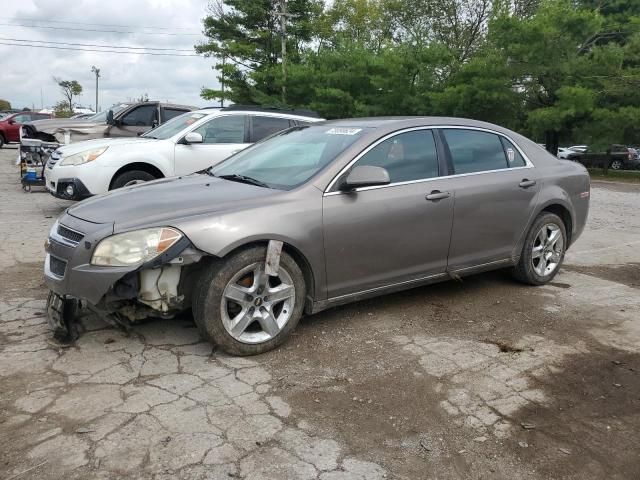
(514, 158)
(475, 151)
(264, 126)
(406, 156)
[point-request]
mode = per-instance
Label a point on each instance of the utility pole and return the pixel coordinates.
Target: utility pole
(97, 72)
(222, 80)
(283, 31)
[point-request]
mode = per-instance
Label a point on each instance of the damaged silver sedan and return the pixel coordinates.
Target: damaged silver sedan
(314, 217)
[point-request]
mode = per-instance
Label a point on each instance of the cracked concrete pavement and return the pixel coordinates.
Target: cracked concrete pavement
(483, 378)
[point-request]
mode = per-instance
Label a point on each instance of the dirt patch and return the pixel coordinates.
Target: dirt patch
(588, 429)
(628, 274)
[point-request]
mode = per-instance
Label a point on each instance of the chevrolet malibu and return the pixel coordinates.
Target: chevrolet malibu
(314, 217)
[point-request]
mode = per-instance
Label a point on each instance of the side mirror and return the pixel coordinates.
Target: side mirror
(193, 137)
(110, 118)
(365, 176)
(12, 122)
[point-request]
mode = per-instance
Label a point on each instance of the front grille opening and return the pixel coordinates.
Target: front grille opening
(69, 234)
(57, 266)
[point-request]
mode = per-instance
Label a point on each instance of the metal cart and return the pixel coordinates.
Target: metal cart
(33, 159)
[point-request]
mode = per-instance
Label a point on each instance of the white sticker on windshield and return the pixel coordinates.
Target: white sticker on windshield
(343, 131)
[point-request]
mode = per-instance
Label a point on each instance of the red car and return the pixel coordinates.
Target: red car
(10, 125)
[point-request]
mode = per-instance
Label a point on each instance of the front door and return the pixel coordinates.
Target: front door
(386, 235)
(221, 137)
(495, 191)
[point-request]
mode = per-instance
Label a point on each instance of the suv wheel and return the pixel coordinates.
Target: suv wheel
(2, 141)
(243, 310)
(616, 165)
(543, 250)
(131, 177)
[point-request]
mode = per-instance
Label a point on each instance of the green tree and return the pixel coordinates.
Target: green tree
(69, 89)
(245, 38)
(5, 104)
(61, 109)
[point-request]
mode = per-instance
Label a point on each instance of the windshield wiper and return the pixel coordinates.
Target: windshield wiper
(243, 179)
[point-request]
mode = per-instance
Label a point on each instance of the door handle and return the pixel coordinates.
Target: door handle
(437, 195)
(526, 183)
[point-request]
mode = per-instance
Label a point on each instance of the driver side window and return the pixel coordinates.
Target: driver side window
(407, 156)
(143, 116)
(227, 129)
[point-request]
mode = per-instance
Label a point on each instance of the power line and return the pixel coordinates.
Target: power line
(96, 30)
(103, 51)
(96, 45)
(100, 24)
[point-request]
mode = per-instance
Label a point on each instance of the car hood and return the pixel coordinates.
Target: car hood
(175, 198)
(74, 148)
(53, 125)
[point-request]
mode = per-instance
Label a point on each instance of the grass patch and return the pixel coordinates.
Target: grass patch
(630, 176)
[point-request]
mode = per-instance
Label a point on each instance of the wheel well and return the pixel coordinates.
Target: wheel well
(296, 254)
(145, 167)
(565, 215)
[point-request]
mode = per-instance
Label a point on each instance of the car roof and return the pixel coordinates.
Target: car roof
(262, 113)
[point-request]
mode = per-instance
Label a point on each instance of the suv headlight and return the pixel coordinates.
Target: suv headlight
(83, 157)
(135, 247)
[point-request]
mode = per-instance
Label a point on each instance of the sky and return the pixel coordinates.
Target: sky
(25, 72)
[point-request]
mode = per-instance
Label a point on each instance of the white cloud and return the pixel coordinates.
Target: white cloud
(25, 71)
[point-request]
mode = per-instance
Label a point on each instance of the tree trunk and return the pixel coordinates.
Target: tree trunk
(551, 141)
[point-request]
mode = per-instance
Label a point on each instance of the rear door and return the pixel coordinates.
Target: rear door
(391, 234)
(495, 191)
(222, 136)
(262, 126)
(167, 113)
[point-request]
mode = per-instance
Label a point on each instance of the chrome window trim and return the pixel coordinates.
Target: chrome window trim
(328, 191)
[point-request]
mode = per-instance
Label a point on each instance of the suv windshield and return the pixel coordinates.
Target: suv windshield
(289, 158)
(102, 116)
(174, 126)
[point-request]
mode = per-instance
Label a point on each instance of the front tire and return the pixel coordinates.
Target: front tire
(543, 250)
(244, 311)
(616, 165)
(131, 177)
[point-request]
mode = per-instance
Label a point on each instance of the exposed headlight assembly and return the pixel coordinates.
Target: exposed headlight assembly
(136, 247)
(83, 157)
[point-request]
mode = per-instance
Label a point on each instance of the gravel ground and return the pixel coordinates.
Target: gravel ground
(482, 378)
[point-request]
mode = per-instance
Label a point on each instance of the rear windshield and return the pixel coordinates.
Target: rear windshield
(291, 157)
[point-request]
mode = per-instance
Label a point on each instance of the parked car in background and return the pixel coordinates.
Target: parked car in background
(121, 120)
(578, 148)
(563, 152)
(313, 217)
(10, 125)
(619, 157)
(188, 143)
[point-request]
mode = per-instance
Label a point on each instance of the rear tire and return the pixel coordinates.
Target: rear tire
(131, 177)
(543, 250)
(616, 165)
(2, 140)
(267, 309)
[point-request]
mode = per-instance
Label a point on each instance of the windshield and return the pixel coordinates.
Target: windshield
(174, 126)
(102, 116)
(290, 158)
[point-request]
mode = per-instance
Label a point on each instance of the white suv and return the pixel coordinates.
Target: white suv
(183, 145)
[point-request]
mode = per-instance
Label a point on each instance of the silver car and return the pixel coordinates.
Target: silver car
(317, 216)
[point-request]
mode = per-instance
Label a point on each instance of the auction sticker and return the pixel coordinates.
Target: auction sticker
(343, 131)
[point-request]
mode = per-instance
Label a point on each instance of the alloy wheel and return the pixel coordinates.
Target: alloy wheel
(255, 307)
(616, 165)
(548, 248)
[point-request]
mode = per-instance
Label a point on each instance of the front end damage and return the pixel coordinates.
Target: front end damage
(121, 296)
